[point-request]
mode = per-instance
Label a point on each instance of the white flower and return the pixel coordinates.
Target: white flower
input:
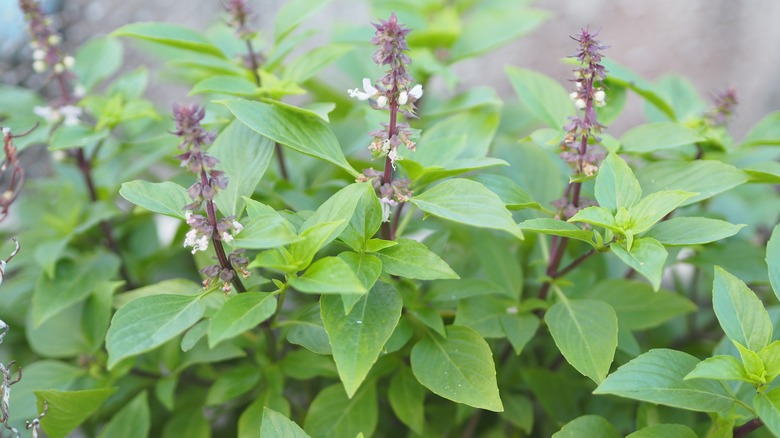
(381, 101)
(59, 68)
(580, 103)
(386, 204)
(196, 241)
(386, 146)
(188, 217)
(39, 54)
(369, 89)
(599, 97)
(237, 226)
(416, 92)
(6, 131)
(71, 114)
(574, 95)
(39, 66)
(403, 98)
(79, 91)
(227, 237)
(54, 39)
(68, 61)
(48, 113)
(393, 156)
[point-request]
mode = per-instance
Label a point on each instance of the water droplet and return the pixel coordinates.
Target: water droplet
(359, 321)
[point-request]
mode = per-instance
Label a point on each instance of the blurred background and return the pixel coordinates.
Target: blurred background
(715, 43)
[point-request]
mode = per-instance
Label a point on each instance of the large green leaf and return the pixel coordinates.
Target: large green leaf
(329, 275)
(586, 333)
(720, 367)
(491, 27)
(68, 409)
(240, 313)
(72, 282)
(637, 306)
(358, 337)
(766, 131)
(148, 322)
(276, 425)
(367, 267)
(166, 198)
(543, 96)
(692, 231)
(658, 377)
(616, 185)
(740, 312)
(334, 415)
(705, 177)
(510, 193)
(767, 405)
(45, 374)
(97, 60)
(243, 155)
(652, 137)
(653, 207)
(647, 257)
(296, 128)
(412, 259)
(406, 397)
(309, 332)
(467, 202)
(587, 425)
(293, 13)
(170, 35)
(664, 431)
(459, 368)
(309, 64)
(133, 421)
(773, 259)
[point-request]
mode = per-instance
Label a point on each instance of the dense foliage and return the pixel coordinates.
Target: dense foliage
(323, 246)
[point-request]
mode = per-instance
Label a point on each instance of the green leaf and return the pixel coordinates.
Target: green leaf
(232, 383)
(367, 267)
(187, 422)
(510, 193)
(740, 313)
(543, 96)
(652, 137)
(658, 377)
(557, 228)
(705, 177)
(296, 128)
(329, 275)
(358, 337)
(133, 421)
(647, 256)
(598, 216)
(767, 405)
(314, 238)
(637, 306)
(68, 409)
(265, 228)
(406, 398)
(226, 84)
(519, 329)
(170, 35)
(148, 322)
(586, 333)
(293, 13)
(430, 318)
(276, 425)
(306, 66)
(244, 156)
(72, 282)
(653, 207)
(365, 222)
(73, 136)
(587, 425)
(240, 313)
(773, 259)
(309, 332)
(97, 60)
(766, 172)
(664, 431)
(483, 314)
(616, 185)
(719, 368)
(459, 368)
(519, 412)
(173, 286)
(495, 26)
(467, 202)
(692, 231)
(765, 132)
(621, 76)
(166, 198)
(334, 415)
(412, 259)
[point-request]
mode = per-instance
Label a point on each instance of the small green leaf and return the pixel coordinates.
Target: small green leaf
(459, 368)
(586, 333)
(165, 198)
(598, 216)
(622, 76)
(519, 329)
(543, 96)
(412, 259)
(647, 256)
(232, 383)
(68, 409)
(765, 132)
(558, 228)
(265, 228)
(309, 64)
(773, 259)
(616, 185)
(72, 282)
(276, 425)
(652, 137)
(587, 425)
(133, 421)
(170, 35)
(658, 377)
(767, 406)
(244, 156)
(334, 415)
(293, 13)
(97, 60)
(309, 332)
(770, 357)
(240, 313)
(406, 398)
(719, 368)
(491, 27)
(467, 202)
(314, 238)
(148, 322)
(358, 337)
(664, 431)
(653, 207)
(296, 128)
(75, 136)
(740, 313)
(329, 275)
(705, 177)
(692, 231)
(367, 267)
(226, 84)
(511, 194)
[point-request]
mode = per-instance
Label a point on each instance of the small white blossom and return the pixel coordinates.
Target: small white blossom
(59, 68)
(6, 131)
(416, 92)
(54, 39)
(368, 91)
(599, 97)
(39, 54)
(39, 66)
(393, 156)
(71, 114)
(511, 310)
(237, 226)
(403, 98)
(386, 204)
(68, 61)
(227, 237)
(188, 217)
(79, 91)
(196, 241)
(574, 95)
(386, 146)
(381, 101)
(580, 103)
(48, 113)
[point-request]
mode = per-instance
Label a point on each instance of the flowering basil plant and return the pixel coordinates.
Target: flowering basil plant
(336, 243)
